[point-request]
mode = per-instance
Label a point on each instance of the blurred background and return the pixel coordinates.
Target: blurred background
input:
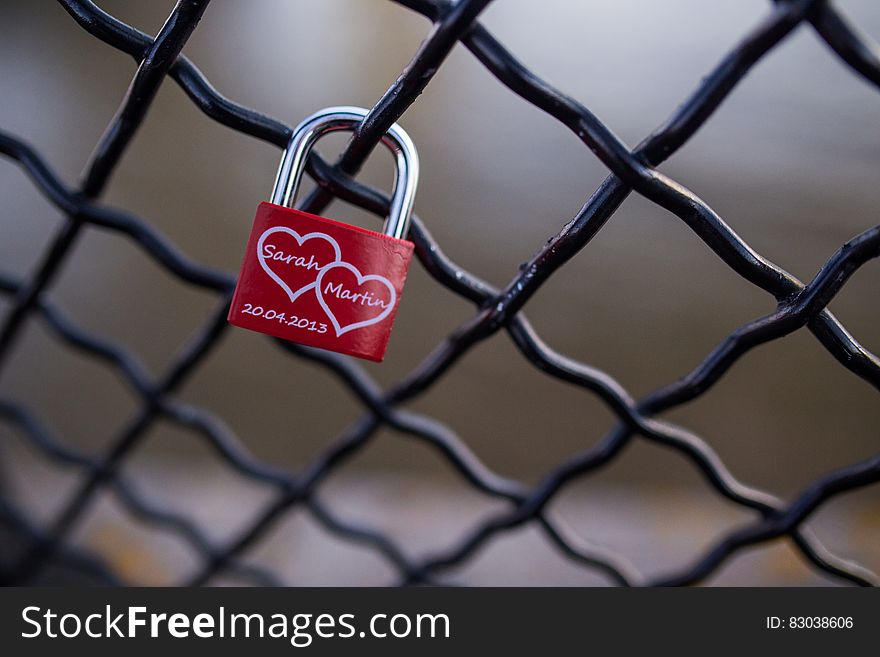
(791, 161)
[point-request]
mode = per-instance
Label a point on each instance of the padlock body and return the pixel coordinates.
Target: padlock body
(319, 282)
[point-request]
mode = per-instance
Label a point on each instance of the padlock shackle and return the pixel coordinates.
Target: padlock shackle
(333, 119)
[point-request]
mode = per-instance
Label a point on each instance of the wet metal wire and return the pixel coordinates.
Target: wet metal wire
(799, 305)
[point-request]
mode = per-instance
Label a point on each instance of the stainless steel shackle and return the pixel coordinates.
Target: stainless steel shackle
(333, 119)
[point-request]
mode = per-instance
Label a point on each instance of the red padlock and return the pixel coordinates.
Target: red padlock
(319, 282)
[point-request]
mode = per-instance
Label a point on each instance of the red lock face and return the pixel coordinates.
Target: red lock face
(320, 283)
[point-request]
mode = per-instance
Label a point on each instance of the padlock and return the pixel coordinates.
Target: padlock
(320, 282)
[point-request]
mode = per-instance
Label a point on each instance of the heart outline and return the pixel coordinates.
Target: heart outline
(361, 279)
(293, 296)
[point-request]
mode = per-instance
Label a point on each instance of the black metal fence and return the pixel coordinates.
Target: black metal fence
(799, 306)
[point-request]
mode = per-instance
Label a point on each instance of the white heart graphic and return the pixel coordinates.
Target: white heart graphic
(299, 240)
(361, 279)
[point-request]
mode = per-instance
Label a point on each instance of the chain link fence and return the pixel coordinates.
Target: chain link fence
(799, 306)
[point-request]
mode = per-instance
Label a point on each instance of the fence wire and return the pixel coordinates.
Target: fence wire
(799, 305)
